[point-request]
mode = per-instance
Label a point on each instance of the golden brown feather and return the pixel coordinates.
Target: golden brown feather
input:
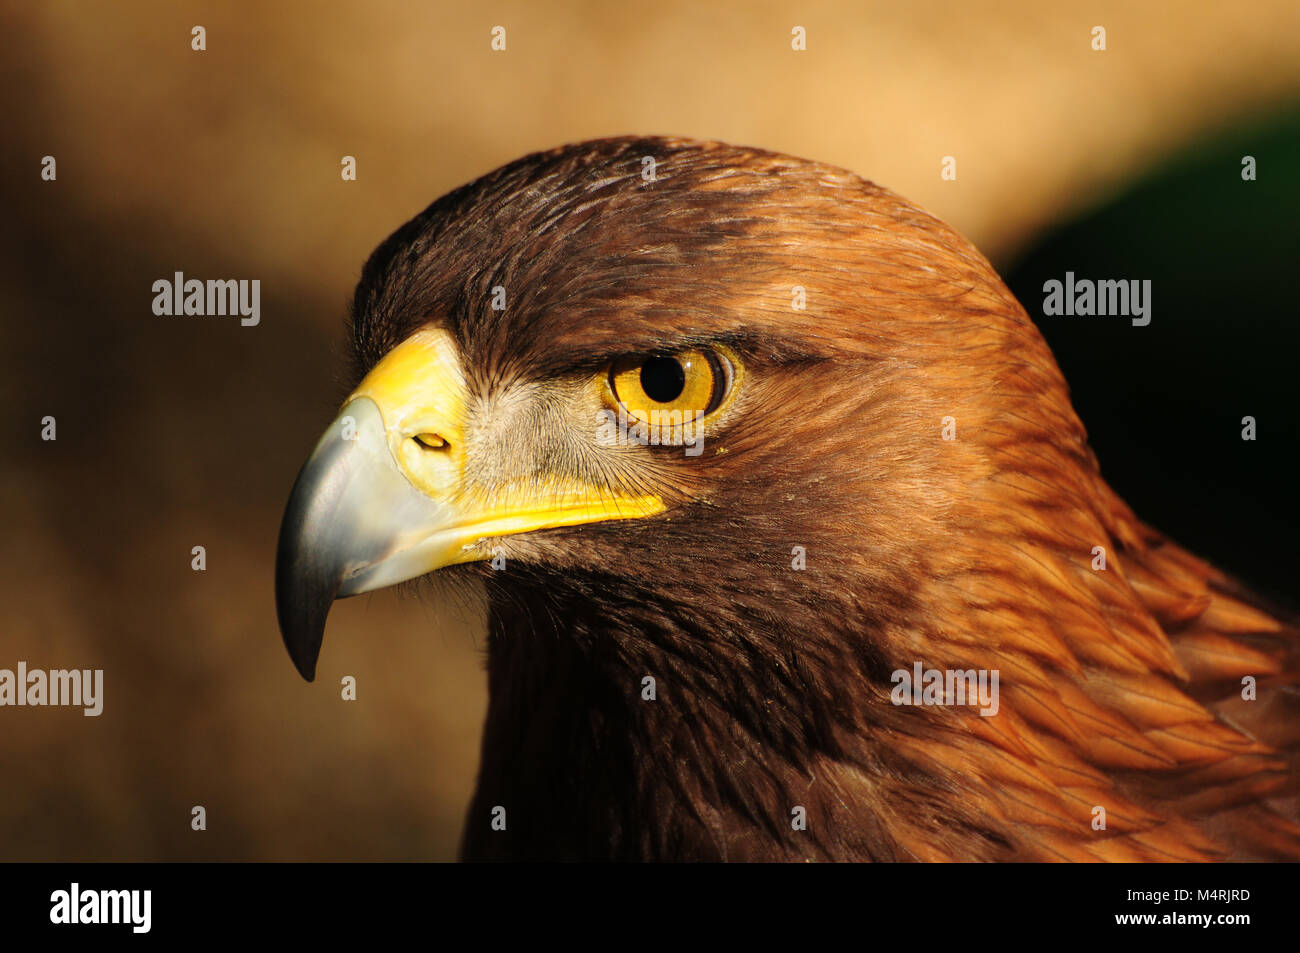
(1121, 688)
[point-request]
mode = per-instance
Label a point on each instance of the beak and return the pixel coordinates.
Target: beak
(383, 497)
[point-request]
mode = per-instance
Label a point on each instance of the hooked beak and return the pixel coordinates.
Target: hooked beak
(384, 498)
(355, 521)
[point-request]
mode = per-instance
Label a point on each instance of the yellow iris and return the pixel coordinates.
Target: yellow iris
(691, 383)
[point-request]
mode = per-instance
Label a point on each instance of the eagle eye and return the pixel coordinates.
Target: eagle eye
(688, 382)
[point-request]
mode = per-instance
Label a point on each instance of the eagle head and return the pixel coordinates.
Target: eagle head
(731, 438)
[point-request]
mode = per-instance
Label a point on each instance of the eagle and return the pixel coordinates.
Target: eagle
(793, 545)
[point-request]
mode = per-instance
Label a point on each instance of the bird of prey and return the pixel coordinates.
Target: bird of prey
(737, 444)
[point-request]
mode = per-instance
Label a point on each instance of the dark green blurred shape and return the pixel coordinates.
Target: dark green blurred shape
(1163, 404)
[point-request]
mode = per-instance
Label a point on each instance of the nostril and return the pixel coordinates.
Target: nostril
(430, 441)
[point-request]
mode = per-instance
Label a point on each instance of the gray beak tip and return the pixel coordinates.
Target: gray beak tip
(308, 570)
(301, 606)
(307, 671)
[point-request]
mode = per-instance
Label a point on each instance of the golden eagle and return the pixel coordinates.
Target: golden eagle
(763, 469)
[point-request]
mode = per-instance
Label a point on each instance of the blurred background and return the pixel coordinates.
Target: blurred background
(225, 163)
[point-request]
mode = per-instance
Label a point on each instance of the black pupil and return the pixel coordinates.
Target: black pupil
(662, 379)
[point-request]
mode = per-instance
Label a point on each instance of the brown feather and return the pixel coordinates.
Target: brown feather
(1121, 688)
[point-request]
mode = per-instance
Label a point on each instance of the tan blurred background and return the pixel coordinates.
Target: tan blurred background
(176, 432)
